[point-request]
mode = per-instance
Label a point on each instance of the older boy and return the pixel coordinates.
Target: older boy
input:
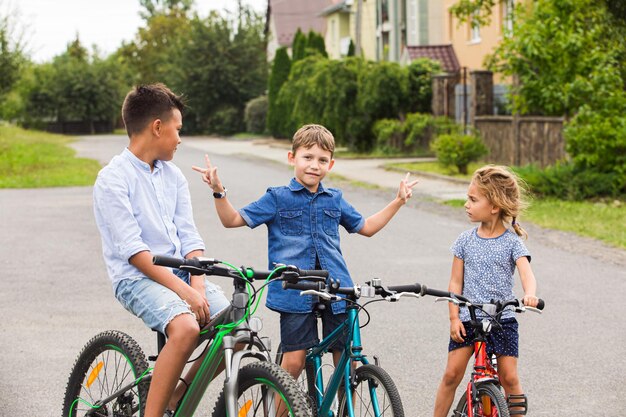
(142, 207)
(303, 221)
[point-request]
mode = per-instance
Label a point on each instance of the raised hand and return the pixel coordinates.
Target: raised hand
(209, 175)
(406, 188)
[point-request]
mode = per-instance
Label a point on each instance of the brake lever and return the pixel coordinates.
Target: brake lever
(396, 297)
(324, 295)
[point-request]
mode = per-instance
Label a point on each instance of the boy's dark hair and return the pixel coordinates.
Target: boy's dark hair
(309, 135)
(145, 103)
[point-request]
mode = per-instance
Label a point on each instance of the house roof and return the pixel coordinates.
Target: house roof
(443, 53)
(342, 6)
(289, 15)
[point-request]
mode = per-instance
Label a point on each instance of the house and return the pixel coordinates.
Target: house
(351, 21)
(285, 17)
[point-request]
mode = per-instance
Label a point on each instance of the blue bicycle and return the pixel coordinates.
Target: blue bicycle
(371, 391)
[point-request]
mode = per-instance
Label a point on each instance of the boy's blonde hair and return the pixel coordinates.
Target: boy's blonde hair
(309, 135)
(504, 190)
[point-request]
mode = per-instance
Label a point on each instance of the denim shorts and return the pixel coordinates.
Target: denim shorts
(503, 339)
(157, 305)
(298, 331)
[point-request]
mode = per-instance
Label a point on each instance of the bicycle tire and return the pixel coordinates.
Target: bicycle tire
(492, 402)
(107, 362)
(387, 395)
(305, 382)
(259, 384)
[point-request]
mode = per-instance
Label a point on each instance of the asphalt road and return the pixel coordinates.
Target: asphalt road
(55, 294)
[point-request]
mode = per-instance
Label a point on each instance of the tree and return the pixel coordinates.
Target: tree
(565, 53)
(12, 56)
(279, 75)
(298, 46)
(155, 7)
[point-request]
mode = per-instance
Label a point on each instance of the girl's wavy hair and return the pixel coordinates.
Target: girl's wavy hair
(312, 134)
(505, 190)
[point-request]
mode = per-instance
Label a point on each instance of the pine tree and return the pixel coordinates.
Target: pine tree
(280, 72)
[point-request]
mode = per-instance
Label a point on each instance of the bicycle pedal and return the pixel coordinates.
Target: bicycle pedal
(517, 400)
(153, 358)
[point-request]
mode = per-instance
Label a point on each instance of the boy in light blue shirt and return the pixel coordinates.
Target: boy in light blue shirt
(303, 221)
(142, 207)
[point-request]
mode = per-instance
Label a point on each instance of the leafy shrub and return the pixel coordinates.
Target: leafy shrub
(226, 120)
(420, 74)
(389, 135)
(255, 114)
(567, 182)
(276, 114)
(458, 150)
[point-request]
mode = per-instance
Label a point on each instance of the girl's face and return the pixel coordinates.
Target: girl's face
(478, 207)
(311, 165)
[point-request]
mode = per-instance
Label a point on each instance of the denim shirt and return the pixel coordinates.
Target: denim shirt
(302, 226)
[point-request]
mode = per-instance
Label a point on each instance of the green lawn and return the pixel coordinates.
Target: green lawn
(605, 221)
(33, 159)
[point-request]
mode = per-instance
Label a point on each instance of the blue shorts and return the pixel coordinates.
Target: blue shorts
(157, 305)
(503, 341)
(298, 331)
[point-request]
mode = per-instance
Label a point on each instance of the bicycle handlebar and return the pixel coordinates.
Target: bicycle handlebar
(208, 266)
(370, 289)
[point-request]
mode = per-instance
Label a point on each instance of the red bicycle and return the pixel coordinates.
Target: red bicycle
(484, 396)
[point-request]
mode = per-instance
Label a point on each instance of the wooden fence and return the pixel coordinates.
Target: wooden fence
(522, 140)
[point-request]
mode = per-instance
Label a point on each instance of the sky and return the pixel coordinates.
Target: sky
(49, 25)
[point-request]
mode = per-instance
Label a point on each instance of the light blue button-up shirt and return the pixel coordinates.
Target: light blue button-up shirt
(303, 226)
(137, 210)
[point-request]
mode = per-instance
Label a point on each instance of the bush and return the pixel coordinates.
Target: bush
(226, 120)
(420, 74)
(567, 182)
(458, 150)
(255, 114)
(389, 135)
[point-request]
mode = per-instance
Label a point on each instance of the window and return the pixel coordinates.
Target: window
(507, 7)
(474, 31)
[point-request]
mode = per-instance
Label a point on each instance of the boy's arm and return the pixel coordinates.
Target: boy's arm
(376, 222)
(197, 302)
(529, 283)
(225, 210)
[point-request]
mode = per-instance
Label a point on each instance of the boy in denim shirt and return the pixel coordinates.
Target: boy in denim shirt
(303, 221)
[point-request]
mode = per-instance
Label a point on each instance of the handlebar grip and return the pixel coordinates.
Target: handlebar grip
(302, 285)
(541, 304)
(414, 288)
(168, 261)
(322, 273)
(434, 292)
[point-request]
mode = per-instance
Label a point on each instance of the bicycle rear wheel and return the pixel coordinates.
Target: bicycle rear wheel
(108, 362)
(491, 403)
(267, 390)
(374, 394)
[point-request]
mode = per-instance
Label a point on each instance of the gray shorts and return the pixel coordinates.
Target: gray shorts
(157, 305)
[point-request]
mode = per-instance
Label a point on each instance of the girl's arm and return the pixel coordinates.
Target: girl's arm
(374, 223)
(529, 284)
(457, 330)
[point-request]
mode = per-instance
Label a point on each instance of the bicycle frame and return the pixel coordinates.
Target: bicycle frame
(343, 370)
(483, 371)
(223, 342)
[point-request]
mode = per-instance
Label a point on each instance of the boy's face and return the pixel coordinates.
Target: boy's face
(311, 165)
(168, 135)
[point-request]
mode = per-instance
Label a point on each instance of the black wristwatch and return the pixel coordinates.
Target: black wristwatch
(220, 195)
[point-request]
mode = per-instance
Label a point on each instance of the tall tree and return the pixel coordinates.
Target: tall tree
(12, 46)
(280, 73)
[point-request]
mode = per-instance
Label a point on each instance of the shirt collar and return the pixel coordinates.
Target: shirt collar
(139, 163)
(295, 186)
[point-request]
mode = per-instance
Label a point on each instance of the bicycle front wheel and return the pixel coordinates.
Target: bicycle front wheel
(266, 390)
(373, 394)
(491, 403)
(109, 361)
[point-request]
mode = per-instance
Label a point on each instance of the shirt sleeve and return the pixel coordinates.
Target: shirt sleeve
(113, 205)
(519, 249)
(261, 211)
(351, 219)
(190, 239)
(458, 247)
